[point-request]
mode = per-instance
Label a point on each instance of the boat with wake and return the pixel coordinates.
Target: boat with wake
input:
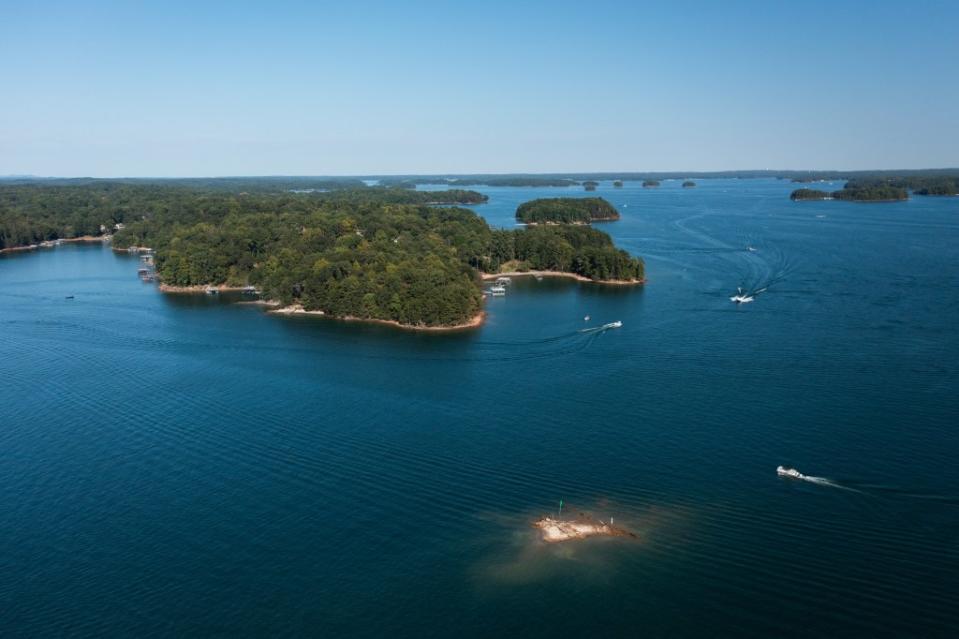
(740, 297)
(782, 471)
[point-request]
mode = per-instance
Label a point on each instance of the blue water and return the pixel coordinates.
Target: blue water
(185, 466)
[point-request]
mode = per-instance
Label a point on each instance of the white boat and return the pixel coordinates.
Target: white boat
(211, 291)
(615, 324)
(503, 281)
(750, 249)
(586, 319)
(782, 471)
(741, 298)
(497, 291)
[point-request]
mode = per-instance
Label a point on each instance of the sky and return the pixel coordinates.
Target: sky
(166, 89)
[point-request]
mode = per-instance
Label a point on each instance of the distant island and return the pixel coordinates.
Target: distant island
(566, 210)
(618, 184)
(888, 188)
(386, 255)
(688, 184)
(854, 193)
(590, 185)
(650, 183)
(810, 194)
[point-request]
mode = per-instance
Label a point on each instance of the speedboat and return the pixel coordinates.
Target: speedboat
(615, 324)
(782, 471)
(741, 298)
(497, 291)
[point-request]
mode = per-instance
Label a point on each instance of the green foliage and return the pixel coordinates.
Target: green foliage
(590, 185)
(574, 249)
(871, 191)
(566, 210)
(650, 183)
(376, 253)
(809, 194)
(618, 184)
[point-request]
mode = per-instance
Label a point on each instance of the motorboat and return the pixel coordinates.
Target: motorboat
(741, 297)
(782, 471)
(615, 324)
(497, 291)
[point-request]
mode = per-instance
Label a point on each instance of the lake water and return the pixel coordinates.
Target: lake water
(183, 466)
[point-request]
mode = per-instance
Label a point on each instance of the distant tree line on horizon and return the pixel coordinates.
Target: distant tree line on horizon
(885, 189)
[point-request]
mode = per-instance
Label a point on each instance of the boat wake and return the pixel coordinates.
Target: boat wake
(792, 473)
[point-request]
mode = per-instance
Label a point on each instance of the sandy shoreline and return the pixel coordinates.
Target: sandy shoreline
(297, 309)
(566, 274)
(558, 530)
(200, 288)
(70, 240)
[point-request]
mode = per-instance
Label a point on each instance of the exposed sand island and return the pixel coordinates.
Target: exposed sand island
(557, 530)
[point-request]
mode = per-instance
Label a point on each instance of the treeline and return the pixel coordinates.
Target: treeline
(887, 188)
(566, 210)
(41, 211)
(809, 194)
(573, 249)
(871, 192)
(373, 253)
(507, 180)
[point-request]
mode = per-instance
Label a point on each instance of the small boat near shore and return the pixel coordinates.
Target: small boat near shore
(497, 291)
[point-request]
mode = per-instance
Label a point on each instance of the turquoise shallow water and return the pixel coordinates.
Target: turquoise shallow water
(177, 465)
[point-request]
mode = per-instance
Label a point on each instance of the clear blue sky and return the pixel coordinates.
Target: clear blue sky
(307, 88)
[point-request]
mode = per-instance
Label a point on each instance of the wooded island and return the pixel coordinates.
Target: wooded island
(366, 253)
(566, 210)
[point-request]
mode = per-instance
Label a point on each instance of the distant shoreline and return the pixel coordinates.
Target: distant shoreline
(200, 288)
(297, 309)
(566, 274)
(71, 240)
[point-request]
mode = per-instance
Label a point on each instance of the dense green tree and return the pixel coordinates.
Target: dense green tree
(566, 210)
(809, 194)
(376, 253)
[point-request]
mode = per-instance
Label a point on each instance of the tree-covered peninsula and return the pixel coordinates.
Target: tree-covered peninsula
(366, 253)
(566, 210)
(855, 192)
(809, 194)
(590, 185)
(689, 184)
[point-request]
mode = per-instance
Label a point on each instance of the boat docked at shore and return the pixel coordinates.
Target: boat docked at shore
(497, 291)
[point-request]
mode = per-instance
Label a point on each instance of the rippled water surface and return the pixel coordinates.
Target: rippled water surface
(179, 465)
